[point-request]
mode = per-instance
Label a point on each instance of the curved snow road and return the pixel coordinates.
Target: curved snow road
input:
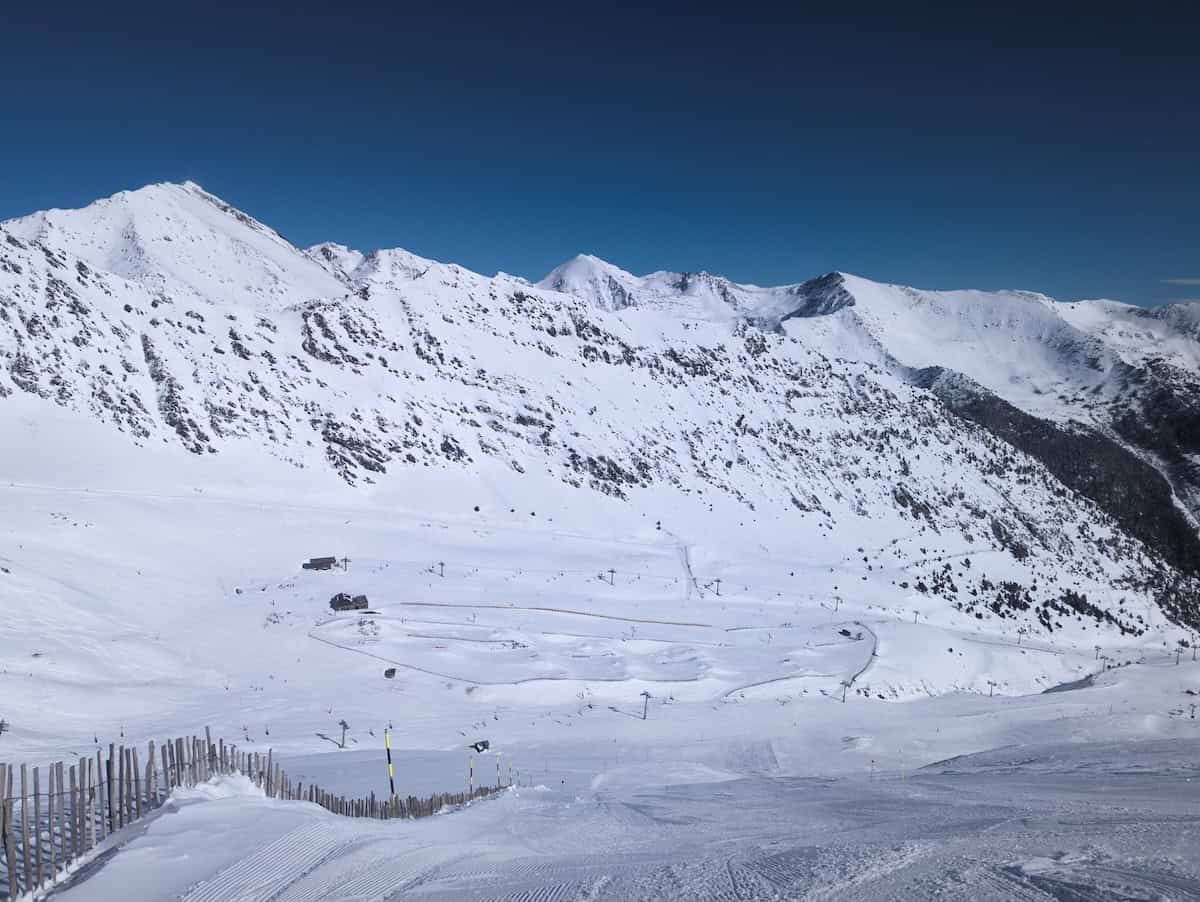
(523, 682)
(871, 657)
(545, 610)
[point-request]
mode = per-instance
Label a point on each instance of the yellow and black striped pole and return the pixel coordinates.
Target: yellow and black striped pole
(471, 774)
(387, 744)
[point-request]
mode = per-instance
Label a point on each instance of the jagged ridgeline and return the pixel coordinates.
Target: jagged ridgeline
(1052, 445)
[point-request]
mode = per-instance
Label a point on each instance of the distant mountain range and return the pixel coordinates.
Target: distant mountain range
(1058, 440)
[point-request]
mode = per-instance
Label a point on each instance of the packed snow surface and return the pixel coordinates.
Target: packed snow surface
(1110, 821)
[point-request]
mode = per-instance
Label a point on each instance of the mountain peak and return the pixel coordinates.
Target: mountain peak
(820, 296)
(587, 264)
(184, 242)
(594, 280)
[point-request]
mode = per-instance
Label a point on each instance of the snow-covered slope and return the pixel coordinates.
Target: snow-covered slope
(174, 318)
(1020, 824)
(182, 243)
(689, 295)
(973, 457)
(1015, 343)
(1140, 335)
(1128, 374)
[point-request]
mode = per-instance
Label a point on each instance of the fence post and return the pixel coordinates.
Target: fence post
(71, 843)
(152, 767)
(13, 890)
(131, 785)
(147, 779)
(8, 829)
(50, 822)
(126, 788)
(100, 803)
(113, 790)
(83, 809)
(135, 785)
(135, 772)
(124, 802)
(91, 806)
(37, 821)
(110, 800)
(25, 828)
(119, 784)
(164, 756)
(73, 820)
(62, 814)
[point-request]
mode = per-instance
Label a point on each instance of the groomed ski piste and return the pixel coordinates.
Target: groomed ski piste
(151, 611)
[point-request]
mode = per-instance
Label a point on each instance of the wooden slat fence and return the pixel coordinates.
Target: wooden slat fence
(52, 819)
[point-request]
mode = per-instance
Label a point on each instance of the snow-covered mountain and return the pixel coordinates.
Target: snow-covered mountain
(1055, 441)
(181, 242)
(690, 295)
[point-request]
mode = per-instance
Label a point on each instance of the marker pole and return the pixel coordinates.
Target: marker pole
(387, 743)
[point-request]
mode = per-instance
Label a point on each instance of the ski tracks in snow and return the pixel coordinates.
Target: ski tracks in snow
(263, 875)
(318, 861)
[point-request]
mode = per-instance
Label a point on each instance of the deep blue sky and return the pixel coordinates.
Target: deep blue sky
(1013, 148)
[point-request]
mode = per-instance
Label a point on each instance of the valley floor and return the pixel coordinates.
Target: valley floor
(800, 697)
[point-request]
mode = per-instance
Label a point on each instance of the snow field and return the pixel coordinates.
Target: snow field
(155, 614)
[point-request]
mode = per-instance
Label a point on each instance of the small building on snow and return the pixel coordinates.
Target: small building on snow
(345, 602)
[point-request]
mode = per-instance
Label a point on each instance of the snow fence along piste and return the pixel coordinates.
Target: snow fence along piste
(48, 831)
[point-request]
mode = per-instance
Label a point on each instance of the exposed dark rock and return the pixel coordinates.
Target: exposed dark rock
(820, 296)
(1086, 461)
